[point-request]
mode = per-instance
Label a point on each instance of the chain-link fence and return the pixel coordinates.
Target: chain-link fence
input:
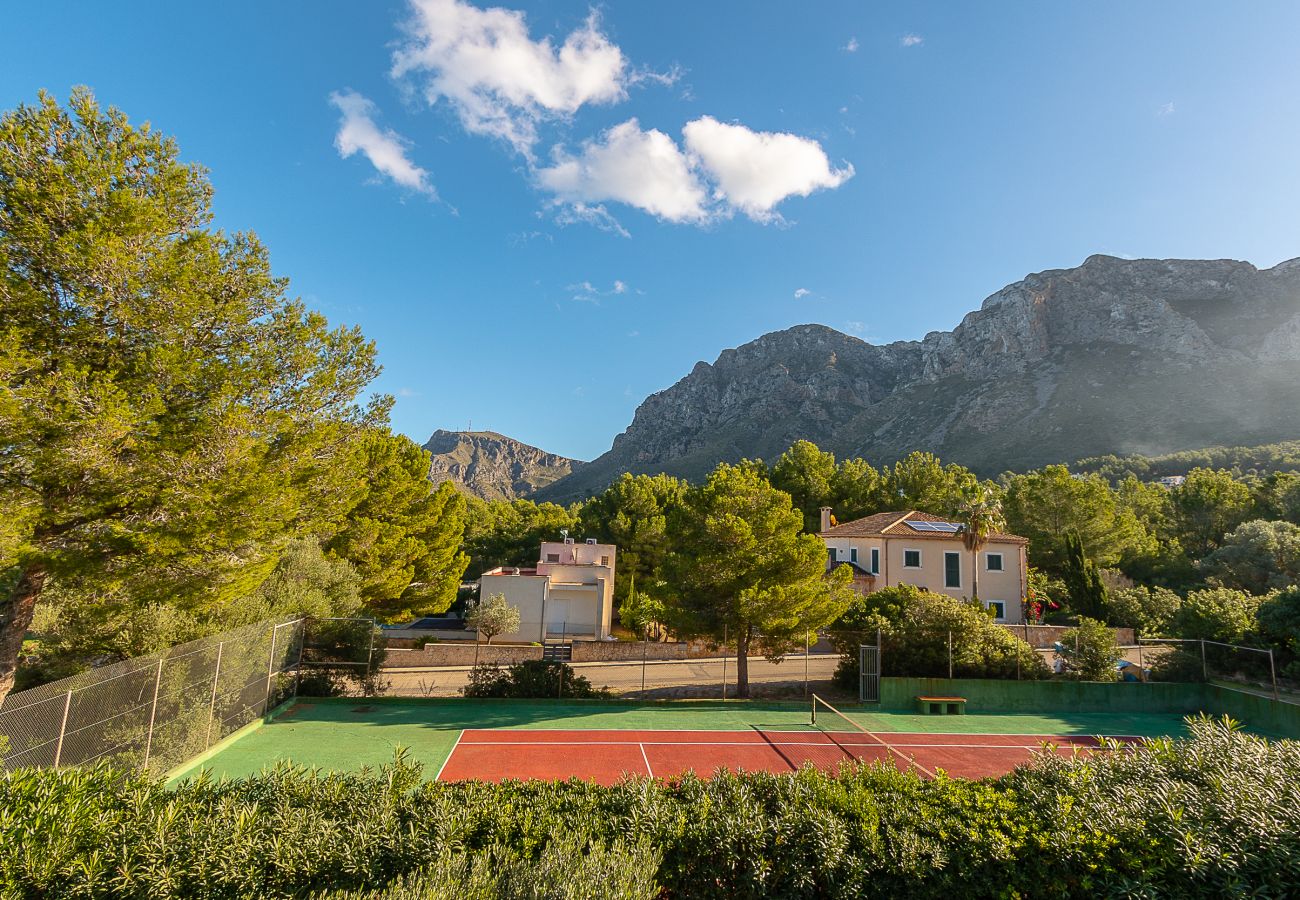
(1238, 665)
(155, 712)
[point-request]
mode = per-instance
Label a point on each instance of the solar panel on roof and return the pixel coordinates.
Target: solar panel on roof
(944, 527)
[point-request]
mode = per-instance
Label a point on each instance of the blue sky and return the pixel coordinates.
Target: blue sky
(529, 258)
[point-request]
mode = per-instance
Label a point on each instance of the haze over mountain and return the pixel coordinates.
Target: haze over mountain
(492, 466)
(1113, 356)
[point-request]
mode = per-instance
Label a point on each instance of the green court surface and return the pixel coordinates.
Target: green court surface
(351, 734)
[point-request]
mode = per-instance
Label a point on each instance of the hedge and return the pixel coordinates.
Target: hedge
(1212, 815)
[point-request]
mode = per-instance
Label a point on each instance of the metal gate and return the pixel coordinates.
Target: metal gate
(869, 667)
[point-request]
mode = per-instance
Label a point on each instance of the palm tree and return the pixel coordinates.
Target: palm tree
(981, 517)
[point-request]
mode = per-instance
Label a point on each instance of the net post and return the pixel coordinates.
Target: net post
(814, 709)
(1205, 666)
(212, 701)
(63, 728)
(1272, 671)
(153, 715)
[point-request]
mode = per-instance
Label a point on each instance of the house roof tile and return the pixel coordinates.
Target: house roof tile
(893, 524)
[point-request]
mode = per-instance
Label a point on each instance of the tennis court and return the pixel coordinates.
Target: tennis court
(495, 740)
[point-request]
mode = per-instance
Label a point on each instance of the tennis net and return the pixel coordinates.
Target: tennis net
(853, 740)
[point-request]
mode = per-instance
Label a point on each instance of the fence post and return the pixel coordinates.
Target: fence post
(724, 662)
(212, 703)
(153, 715)
(1205, 667)
(807, 649)
(370, 653)
(644, 649)
(1142, 667)
(1272, 669)
(880, 658)
(63, 729)
(950, 654)
(297, 674)
(270, 668)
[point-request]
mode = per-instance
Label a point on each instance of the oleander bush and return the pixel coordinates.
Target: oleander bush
(1215, 815)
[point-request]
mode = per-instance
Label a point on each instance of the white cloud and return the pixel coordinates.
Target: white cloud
(800, 293)
(498, 79)
(645, 169)
(1166, 109)
(753, 171)
(723, 169)
(855, 328)
(911, 40)
(385, 148)
(852, 45)
(587, 292)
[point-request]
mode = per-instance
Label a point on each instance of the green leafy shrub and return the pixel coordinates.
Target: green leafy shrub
(1089, 651)
(915, 625)
(1217, 614)
(531, 678)
(1216, 815)
(1149, 611)
(566, 869)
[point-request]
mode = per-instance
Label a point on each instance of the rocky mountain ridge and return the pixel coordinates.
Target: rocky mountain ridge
(491, 466)
(1112, 356)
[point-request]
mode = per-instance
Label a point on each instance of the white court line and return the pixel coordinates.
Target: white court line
(649, 771)
(438, 777)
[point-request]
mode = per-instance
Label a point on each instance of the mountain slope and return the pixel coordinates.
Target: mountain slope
(1113, 356)
(492, 466)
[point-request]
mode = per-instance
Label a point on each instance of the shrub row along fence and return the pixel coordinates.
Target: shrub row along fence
(152, 713)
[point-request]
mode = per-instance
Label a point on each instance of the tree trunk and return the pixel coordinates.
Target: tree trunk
(742, 664)
(975, 574)
(15, 618)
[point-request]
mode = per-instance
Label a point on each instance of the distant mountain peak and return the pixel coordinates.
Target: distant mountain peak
(1113, 356)
(491, 466)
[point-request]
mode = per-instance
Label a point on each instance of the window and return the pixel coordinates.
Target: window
(993, 562)
(911, 559)
(853, 554)
(875, 560)
(604, 560)
(999, 609)
(834, 555)
(553, 557)
(952, 570)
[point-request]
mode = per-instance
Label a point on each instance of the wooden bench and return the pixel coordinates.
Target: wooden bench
(952, 706)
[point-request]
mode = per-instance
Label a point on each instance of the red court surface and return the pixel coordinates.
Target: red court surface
(606, 756)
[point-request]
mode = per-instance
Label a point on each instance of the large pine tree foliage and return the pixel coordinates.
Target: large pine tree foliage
(166, 408)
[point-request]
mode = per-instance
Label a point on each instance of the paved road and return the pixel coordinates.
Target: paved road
(663, 678)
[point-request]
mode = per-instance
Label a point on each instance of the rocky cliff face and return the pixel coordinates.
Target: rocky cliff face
(1112, 356)
(492, 466)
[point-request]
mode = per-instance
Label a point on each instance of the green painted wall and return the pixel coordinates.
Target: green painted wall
(990, 695)
(1262, 714)
(1259, 713)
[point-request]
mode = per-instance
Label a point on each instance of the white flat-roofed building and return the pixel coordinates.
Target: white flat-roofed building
(569, 593)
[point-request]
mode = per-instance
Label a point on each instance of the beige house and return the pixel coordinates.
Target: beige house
(916, 548)
(569, 593)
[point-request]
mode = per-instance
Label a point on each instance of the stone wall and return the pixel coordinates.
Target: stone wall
(462, 654)
(611, 651)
